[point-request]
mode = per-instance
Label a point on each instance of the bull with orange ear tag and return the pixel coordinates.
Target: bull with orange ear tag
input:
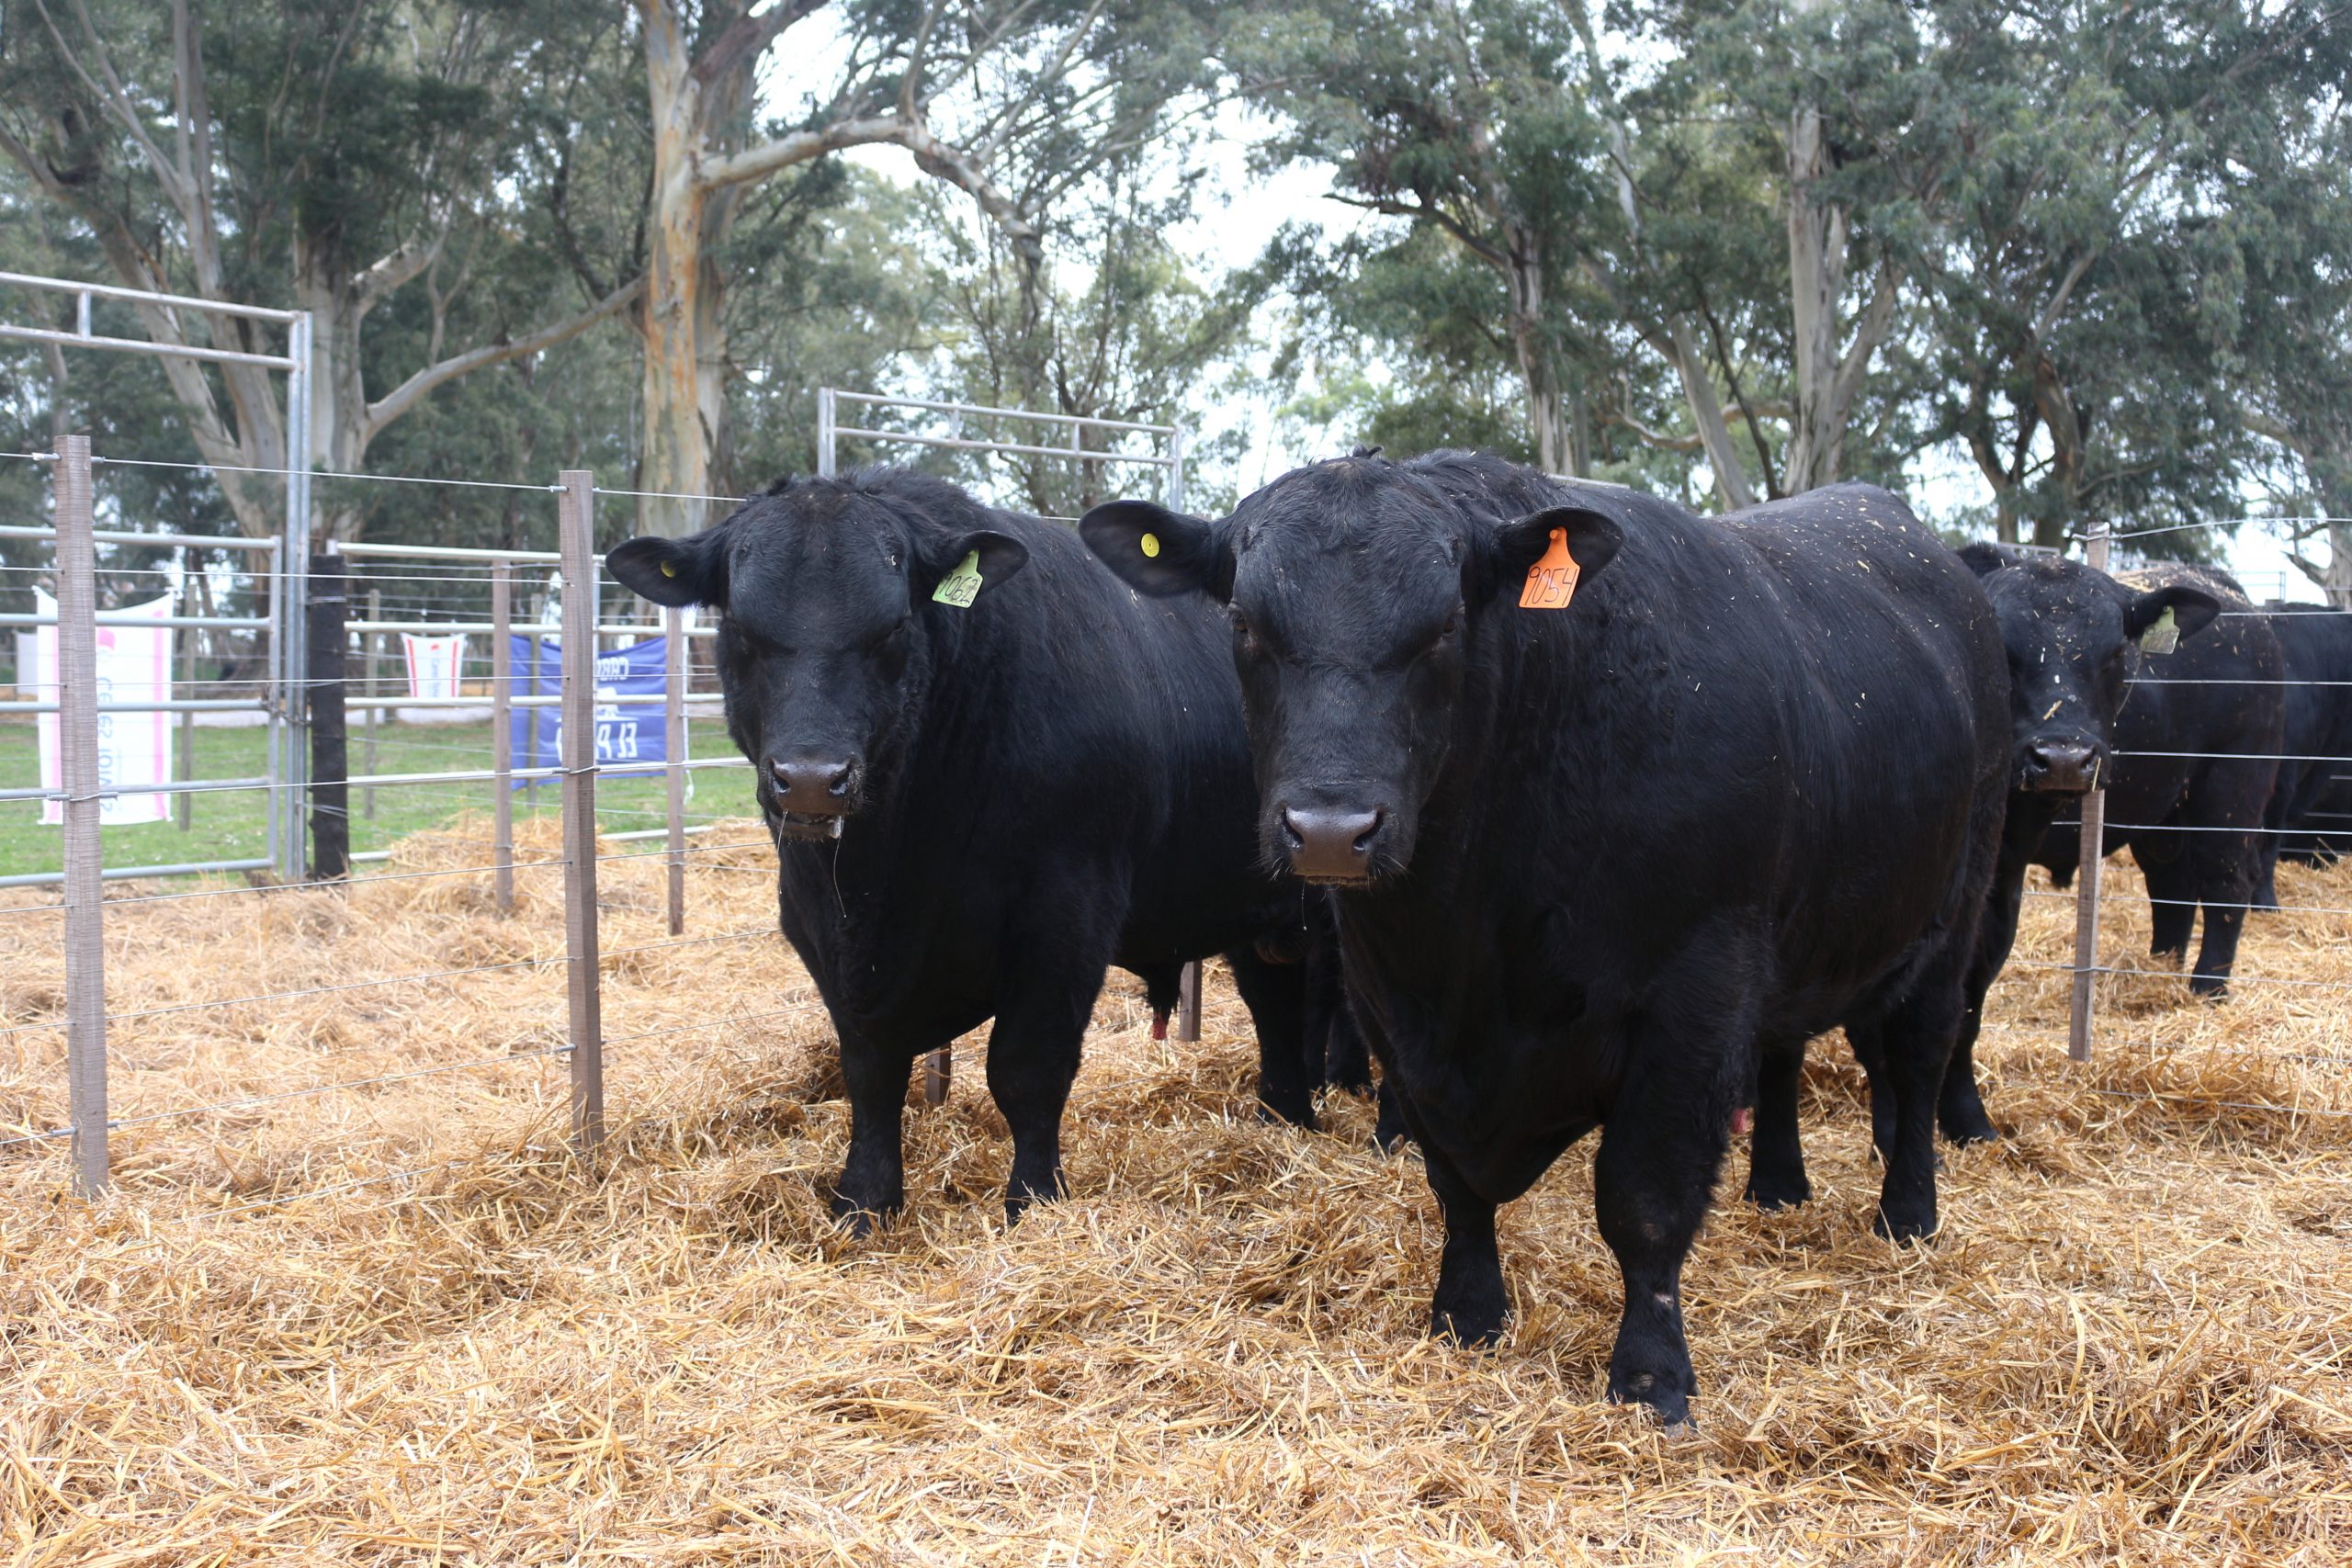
(1551, 581)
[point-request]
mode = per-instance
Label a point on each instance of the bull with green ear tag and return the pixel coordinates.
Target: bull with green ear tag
(991, 772)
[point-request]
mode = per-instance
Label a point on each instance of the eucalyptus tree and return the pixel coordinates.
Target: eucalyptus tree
(2089, 301)
(324, 154)
(967, 89)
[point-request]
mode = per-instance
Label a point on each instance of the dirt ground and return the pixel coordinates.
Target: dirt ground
(398, 1325)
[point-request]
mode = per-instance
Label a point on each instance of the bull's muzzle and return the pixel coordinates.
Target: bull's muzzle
(2055, 767)
(1332, 846)
(813, 796)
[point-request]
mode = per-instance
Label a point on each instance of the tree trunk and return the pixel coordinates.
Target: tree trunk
(1816, 283)
(675, 461)
(1545, 415)
(339, 432)
(1707, 413)
(1827, 380)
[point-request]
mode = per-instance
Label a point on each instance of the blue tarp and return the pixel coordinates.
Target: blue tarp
(626, 732)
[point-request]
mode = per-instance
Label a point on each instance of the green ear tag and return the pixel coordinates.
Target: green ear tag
(962, 586)
(2163, 637)
(669, 568)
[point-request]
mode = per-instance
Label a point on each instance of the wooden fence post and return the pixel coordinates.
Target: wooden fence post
(77, 730)
(576, 519)
(329, 746)
(1188, 1003)
(502, 733)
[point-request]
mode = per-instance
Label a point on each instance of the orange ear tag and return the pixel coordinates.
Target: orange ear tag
(1552, 582)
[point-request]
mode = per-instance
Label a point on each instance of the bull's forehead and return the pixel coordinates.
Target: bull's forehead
(1373, 551)
(804, 575)
(2058, 605)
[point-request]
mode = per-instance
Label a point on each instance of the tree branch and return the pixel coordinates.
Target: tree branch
(933, 156)
(397, 266)
(405, 397)
(747, 38)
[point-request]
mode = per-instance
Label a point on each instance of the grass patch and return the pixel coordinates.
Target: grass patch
(231, 825)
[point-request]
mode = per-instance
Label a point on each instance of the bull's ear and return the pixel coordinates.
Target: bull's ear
(956, 572)
(2192, 610)
(1159, 552)
(1984, 557)
(676, 572)
(1513, 549)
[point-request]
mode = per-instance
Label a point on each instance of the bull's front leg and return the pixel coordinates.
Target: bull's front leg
(1651, 1182)
(1471, 1304)
(1776, 1178)
(873, 1184)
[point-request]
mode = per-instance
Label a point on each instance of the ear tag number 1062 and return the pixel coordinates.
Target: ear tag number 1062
(1551, 581)
(961, 586)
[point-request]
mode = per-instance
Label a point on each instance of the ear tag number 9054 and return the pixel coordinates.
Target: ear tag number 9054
(1551, 581)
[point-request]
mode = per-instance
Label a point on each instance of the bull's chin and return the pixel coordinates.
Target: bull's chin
(808, 827)
(2055, 791)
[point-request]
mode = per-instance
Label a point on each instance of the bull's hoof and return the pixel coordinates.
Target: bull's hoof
(1296, 1111)
(1020, 1195)
(2211, 988)
(1906, 1225)
(1769, 1188)
(1472, 1317)
(1666, 1390)
(1970, 1127)
(860, 1219)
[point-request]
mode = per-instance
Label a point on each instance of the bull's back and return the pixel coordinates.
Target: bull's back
(1900, 723)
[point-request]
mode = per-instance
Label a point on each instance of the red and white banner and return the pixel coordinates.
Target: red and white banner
(432, 664)
(134, 748)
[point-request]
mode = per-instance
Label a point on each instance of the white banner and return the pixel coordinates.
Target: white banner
(432, 664)
(134, 748)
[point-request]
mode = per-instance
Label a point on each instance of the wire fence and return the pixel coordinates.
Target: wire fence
(2221, 815)
(547, 625)
(571, 696)
(338, 662)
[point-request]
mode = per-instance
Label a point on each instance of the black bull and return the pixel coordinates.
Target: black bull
(1596, 862)
(979, 804)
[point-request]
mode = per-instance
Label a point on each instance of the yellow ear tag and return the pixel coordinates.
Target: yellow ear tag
(960, 587)
(2163, 637)
(1151, 545)
(1552, 582)
(669, 568)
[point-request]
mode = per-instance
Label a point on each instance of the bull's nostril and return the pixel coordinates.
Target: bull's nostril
(1363, 844)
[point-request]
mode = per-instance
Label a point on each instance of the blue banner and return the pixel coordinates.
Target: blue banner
(626, 731)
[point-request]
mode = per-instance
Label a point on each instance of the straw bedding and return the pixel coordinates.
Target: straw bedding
(2130, 1344)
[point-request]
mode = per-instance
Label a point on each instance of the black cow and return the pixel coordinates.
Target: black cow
(2072, 636)
(2195, 751)
(2316, 642)
(1593, 859)
(991, 771)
